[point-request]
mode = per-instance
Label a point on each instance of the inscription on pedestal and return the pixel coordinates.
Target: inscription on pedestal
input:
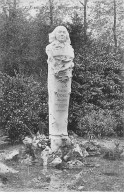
(61, 95)
(61, 104)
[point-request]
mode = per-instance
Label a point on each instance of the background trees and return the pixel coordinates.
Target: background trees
(96, 32)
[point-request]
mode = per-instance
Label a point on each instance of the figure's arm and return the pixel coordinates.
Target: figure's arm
(49, 52)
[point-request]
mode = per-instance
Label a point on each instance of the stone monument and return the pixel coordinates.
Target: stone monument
(60, 64)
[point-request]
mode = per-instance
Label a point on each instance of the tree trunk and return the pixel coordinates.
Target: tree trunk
(85, 20)
(14, 4)
(114, 26)
(51, 11)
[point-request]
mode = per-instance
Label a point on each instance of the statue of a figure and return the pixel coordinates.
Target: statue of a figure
(60, 63)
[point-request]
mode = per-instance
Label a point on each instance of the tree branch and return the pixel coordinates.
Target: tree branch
(81, 3)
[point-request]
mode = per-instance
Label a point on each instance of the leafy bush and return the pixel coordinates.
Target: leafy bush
(97, 87)
(119, 115)
(90, 119)
(24, 102)
(98, 122)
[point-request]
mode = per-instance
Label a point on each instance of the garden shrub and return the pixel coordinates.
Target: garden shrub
(90, 119)
(24, 111)
(23, 102)
(119, 115)
(98, 122)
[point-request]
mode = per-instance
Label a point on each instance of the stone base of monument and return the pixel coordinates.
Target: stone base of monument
(69, 155)
(58, 140)
(66, 152)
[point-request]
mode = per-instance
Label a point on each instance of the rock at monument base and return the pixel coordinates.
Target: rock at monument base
(69, 155)
(80, 188)
(34, 147)
(77, 150)
(5, 169)
(40, 141)
(59, 142)
(28, 160)
(92, 148)
(1, 184)
(75, 164)
(45, 155)
(27, 140)
(85, 153)
(30, 151)
(122, 154)
(56, 161)
(74, 151)
(12, 155)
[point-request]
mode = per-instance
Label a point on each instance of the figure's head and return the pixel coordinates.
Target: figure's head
(61, 34)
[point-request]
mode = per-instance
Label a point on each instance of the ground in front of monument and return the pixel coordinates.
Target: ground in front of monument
(95, 174)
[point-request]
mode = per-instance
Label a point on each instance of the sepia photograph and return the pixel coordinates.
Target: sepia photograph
(61, 96)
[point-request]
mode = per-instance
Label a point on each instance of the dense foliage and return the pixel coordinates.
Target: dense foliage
(97, 89)
(22, 103)
(96, 103)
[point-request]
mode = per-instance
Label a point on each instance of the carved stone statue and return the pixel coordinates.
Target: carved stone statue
(60, 63)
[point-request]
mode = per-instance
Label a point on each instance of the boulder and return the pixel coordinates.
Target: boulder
(77, 150)
(122, 154)
(5, 169)
(27, 140)
(74, 164)
(74, 152)
(45, 155)
(80, 188)
(28, 160)
(92, 148)
(56, 161)
(12, 155)
(85, 153)
(2, 156)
